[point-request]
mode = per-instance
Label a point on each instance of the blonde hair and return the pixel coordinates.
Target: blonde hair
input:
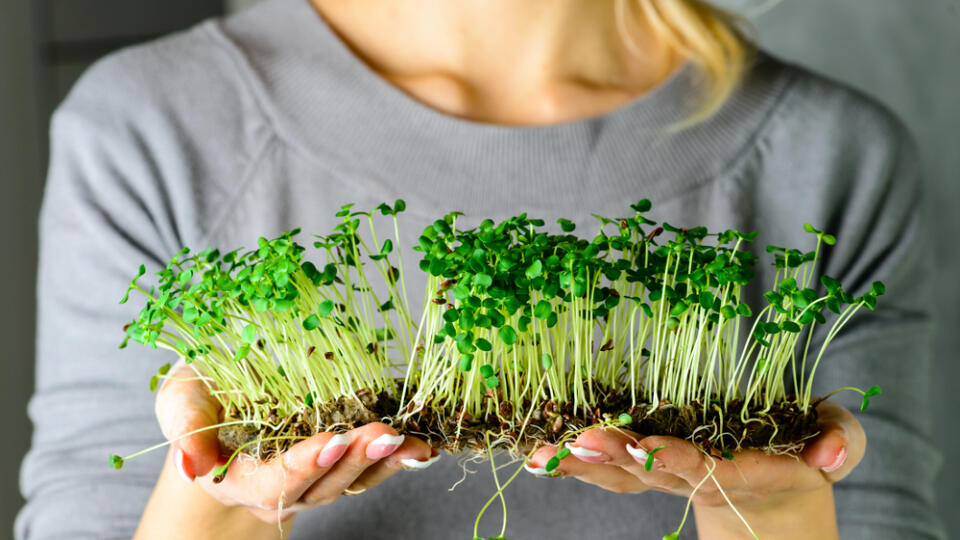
(713, 39)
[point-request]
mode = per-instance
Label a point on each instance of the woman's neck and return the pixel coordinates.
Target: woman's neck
(505, 61)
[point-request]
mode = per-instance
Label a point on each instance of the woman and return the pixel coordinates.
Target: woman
(273, 118)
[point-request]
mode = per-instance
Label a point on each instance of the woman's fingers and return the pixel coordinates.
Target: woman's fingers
(617, 459)
(619, 448)
(413, 454)
(603, 475)
(279, 482)
(183, 405)
(840, 445)
(369, 444)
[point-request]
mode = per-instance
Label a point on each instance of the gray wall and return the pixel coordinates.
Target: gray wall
(905, 52)
(20, 182)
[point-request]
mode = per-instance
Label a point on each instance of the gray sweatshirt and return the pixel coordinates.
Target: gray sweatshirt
(265, 121)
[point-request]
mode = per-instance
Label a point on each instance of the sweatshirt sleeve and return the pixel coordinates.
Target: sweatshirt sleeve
(884, 235)
(105, 211)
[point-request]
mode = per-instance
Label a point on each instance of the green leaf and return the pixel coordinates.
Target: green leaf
(566, 225)
(311, 322)
(164, 369)
(523, 323)
(829, 283)
(771, 328)
(241, 353)
(483, 344)
(744, 310)
(259, 304)
(543, 309)
(649, 463)
(675, 535)
(878, 288)
(451, 315)
(249, 334)
(563, 453)
(727, 454)
(706, 299)
(486, 371)
(643, 205)
(466, 362)
(829, 239)
(546, 361)
(116, 461)
(482, 280)
(873, 391)
(153, 383)
(552, 464)
(788, 284)
(492, 382)
(325, 308)
(790, 326)
(399, 206)
(507, 334)
(534, 270)
(625, 419)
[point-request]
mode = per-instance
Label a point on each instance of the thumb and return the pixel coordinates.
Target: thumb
(840, 445)
(183, 405)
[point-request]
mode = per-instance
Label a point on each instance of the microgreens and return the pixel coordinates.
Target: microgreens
(516, 320)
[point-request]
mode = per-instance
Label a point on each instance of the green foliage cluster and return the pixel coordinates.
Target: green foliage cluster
(272, 333)
(514, 316)
(552, 317)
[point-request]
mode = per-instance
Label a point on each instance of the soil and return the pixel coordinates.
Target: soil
(783, 429)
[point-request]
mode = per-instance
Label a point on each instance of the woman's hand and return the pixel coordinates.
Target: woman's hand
(313, 472)
(774, 493)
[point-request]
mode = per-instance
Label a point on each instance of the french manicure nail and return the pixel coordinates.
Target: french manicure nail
(410, 463)
(838, 462)
(179, 462)
(334, 450)
(383, 446)
(536, 471)
(587, 455)
(641, 456)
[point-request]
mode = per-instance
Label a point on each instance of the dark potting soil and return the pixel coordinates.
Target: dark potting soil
(784, 428)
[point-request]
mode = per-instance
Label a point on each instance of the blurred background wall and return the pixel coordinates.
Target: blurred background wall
(906, 53)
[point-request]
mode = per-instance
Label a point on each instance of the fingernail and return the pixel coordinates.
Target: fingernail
(383, 446)
(587, 455)
(641, 455)
(838, 462)
(335, 449)
(410, 463)
(179, 462)
(536, 471)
